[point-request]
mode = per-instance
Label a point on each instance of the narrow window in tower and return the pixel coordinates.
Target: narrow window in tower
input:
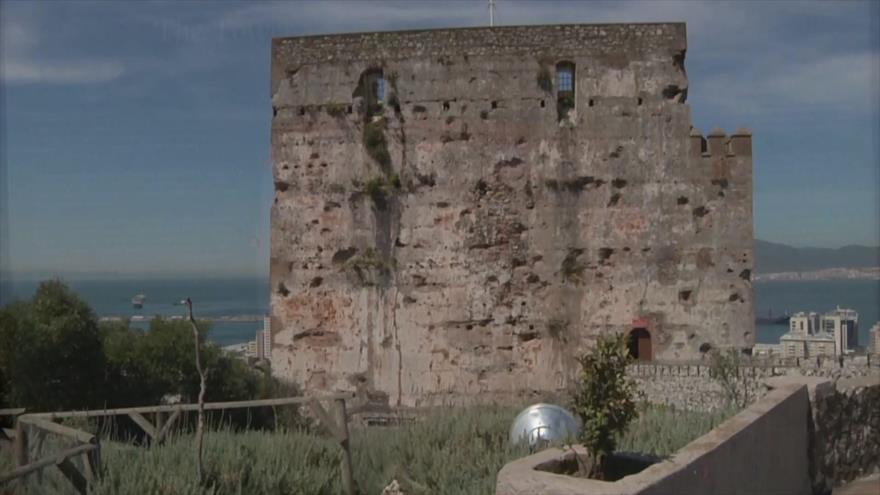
(380, 89)
(565, 88)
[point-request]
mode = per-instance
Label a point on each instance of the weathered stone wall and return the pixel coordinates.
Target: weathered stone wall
(689, 386)
(845, 442)
(496, 240)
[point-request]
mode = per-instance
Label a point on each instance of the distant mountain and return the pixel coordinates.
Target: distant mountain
(771, 257)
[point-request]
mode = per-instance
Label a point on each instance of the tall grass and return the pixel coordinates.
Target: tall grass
(454, 451)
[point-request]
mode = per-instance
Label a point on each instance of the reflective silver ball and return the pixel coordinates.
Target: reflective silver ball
(540, 424)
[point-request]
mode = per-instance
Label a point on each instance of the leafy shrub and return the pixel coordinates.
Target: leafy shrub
(605, 400)
(725, 368)
(51, 356)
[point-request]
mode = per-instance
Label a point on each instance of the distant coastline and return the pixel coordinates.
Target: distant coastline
(872, 273)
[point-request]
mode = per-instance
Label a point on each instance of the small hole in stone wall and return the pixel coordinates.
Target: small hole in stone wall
(591, 102)
(302, 110)
(282, 289)
(445, 106)
(348, 109)
(640, 102)
(745, 274)
(734, 297)
(542, 104)
(469, 327)
(316, 282)
(700, 211)
(494, 105)
(705, 347)
(274, 111)
(684, 295)
(682, 200)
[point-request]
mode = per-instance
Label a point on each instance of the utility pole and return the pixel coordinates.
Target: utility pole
(491, 13)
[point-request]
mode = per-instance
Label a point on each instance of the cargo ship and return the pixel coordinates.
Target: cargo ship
(138, 301)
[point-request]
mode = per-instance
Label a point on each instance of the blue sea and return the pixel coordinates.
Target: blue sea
(231, 297)
(210, 297)
(816, 295)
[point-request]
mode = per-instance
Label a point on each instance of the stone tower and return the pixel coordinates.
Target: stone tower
(459, 213)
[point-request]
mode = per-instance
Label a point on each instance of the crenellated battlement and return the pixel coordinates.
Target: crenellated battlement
(717, 143)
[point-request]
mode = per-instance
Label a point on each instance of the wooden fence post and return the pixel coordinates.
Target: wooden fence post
(21, 443)
(342, 423)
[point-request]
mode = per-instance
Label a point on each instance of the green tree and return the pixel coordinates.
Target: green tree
(605, 400)
(50, 351)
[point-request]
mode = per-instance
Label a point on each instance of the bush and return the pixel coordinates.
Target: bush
(725, 369)
(605, 401)
(54, 355)
(50, 352)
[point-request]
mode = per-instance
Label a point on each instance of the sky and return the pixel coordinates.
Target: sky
(135, 135)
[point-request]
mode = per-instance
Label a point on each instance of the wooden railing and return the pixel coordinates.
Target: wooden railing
(89, 445)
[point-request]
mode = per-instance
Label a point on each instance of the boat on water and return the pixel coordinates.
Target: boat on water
(138, 301)
(772, 320)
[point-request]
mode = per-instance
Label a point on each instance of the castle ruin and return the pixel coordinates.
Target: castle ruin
(459, 213)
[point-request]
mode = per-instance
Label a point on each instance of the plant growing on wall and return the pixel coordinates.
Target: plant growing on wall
(605, 401)
(376, 144)
(545, 81)
(725, 367)
(572, 267)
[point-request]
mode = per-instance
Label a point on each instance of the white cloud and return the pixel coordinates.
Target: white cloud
(22, 63)
(38, 71)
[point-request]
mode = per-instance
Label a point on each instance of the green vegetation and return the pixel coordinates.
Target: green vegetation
(456, 451)
(545, 80)
(336, 110)
(54, 355)
(376, 144)
(661, 431)
(605, 400)
(379, 189)
(725, 367)
(572, 267)
(376, 190)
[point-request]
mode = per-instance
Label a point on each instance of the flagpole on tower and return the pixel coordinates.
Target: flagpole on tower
(491, 13)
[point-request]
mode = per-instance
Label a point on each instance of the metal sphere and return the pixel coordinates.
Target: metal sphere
(540, 424)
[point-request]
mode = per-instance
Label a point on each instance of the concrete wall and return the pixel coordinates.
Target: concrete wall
(763, 449)
(504, 239)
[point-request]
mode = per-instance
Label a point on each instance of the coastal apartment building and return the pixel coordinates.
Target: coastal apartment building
(874, 340)
(810, 334)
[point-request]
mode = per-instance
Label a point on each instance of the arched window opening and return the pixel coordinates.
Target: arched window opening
(639, 345)
(565, 88)
(371, 87)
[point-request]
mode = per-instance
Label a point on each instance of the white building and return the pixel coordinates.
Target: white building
(874, 339)
(833, 334)
(264, 340)
(804, 323)
(843, 324)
